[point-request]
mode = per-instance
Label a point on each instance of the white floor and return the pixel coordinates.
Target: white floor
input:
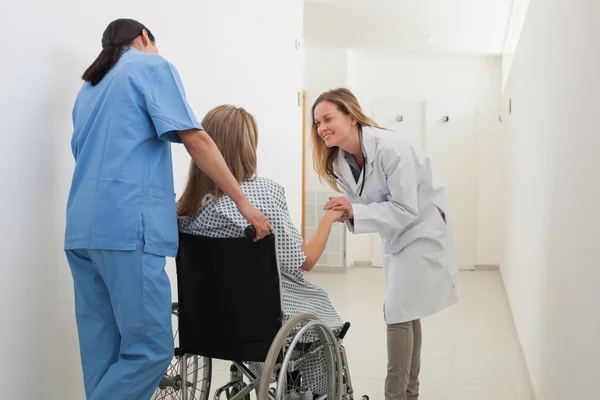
(470, 351)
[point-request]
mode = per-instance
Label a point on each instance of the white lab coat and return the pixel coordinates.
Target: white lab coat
(403, 203)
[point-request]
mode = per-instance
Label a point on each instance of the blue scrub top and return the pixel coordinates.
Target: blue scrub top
(123, 180)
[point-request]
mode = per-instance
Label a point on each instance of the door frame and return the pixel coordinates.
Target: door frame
(303, 164)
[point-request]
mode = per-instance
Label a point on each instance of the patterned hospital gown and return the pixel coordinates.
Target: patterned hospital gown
(219, 217)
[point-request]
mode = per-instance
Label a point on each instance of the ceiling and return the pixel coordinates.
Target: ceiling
(401, 27)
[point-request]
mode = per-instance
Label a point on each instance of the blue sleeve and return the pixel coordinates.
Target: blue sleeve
(167, 105)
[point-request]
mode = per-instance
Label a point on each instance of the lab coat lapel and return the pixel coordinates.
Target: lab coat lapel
(342, 169)
(369, 149)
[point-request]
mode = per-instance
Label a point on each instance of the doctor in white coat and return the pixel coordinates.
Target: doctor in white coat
(389, 188)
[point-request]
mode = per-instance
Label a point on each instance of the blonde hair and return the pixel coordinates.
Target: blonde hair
(235, 133)
(347, 103)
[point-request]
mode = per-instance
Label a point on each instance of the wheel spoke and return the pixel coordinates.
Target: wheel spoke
(173, 384)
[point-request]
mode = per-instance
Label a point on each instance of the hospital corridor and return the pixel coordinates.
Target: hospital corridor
(472, 350)
(300, 200)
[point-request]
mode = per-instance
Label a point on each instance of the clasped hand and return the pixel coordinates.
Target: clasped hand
(340, 204)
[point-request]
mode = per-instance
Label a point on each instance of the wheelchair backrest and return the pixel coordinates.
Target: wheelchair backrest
(229, 297)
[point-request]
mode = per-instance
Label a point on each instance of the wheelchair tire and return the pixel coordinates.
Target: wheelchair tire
(197, 383)
(275, 351)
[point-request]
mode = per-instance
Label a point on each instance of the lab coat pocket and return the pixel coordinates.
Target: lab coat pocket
(160, 223)
(432, 235)
(435, 259)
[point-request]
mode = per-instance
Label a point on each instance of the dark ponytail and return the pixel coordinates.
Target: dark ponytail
(119, 33)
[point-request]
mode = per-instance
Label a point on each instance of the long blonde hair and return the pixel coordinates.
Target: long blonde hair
(235, 133)
(347, 103)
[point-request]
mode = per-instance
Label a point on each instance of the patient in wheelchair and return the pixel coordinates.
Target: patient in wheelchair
(205, 210)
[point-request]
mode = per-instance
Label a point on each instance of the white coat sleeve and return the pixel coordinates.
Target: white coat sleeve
(401, 205)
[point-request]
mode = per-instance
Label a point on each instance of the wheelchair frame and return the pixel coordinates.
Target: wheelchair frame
(278, 362)
(237, 389)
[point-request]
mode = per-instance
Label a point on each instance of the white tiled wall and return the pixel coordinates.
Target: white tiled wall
(334, 254)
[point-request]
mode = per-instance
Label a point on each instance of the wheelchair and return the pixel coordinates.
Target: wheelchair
(230, 308)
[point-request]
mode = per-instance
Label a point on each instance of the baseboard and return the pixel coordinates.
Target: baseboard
(530, 385)
(355, 264)
(369, 264)
(330, 269)
(495, 267)
(362, 264)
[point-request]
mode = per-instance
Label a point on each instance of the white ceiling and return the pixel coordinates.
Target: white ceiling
(466, 27)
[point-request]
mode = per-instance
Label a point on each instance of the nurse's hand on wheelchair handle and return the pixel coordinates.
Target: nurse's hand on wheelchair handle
(256, 219)
(250, 232)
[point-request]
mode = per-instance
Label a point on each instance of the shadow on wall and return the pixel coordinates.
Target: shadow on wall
(63, 379)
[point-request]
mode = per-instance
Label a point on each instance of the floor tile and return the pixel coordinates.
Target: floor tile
(470, 351)
(480, 392)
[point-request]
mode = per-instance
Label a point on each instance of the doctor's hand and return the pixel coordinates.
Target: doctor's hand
(337, 216)
(340, 204)
(256, 219)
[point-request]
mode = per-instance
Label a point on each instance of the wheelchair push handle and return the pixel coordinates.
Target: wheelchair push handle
(343, 331)
(250, 232)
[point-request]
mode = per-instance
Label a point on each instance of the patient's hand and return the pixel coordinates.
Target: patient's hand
(337, 216)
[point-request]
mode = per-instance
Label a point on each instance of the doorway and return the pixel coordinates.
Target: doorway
(447, 131)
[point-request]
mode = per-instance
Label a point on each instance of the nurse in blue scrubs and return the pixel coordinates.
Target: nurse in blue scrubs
(121, 218)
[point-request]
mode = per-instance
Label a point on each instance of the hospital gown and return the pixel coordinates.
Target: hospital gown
(219, 217)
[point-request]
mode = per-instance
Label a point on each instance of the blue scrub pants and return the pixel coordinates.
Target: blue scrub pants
(123, 313)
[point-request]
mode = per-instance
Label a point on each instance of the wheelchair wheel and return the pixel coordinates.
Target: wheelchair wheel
(188, 376)
(310, 359)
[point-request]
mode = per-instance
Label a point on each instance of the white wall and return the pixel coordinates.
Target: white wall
(236, 51)
(324, 69)
(474, 80)
(550, 266)
(518, 13)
